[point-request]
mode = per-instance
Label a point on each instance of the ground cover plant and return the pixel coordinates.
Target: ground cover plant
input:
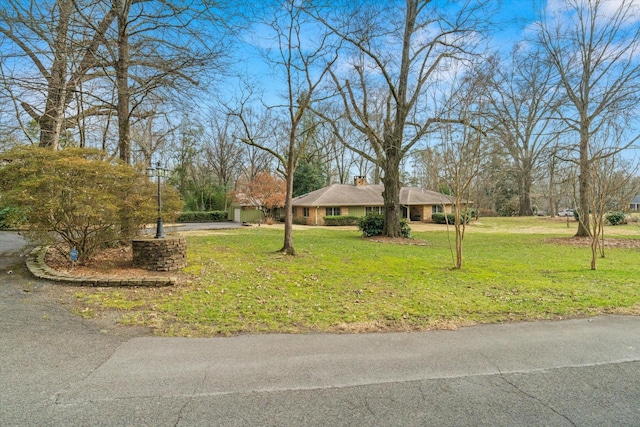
(515, 269)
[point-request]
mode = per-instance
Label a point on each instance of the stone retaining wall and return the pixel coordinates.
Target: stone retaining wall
(37, 266)
(160, 254)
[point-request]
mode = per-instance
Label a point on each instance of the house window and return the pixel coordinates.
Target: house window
(436, 209)
(376, 209)
(333, 212)
(305, 212)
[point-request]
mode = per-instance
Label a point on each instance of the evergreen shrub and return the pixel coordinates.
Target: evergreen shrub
(371, 224)
(440, 218)
(11, 217)
(341, 220)
(210, 216)
(616, 218)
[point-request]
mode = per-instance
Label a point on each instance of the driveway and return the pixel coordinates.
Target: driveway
(193, 226)
(57, 369)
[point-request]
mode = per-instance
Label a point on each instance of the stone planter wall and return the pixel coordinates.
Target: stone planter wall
(160, 254)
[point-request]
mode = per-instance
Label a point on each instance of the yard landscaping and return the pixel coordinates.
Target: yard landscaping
(514, 269)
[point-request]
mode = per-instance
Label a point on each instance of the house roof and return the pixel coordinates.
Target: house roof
(368, 195)
(636, 199)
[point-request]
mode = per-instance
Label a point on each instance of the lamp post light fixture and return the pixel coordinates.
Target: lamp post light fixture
(158, 172)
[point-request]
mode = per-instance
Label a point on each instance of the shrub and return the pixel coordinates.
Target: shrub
(80, 197)
(440, 218)
(11, 217)
(405, 230)
(341, 220)
(299, 221)
(616, 218)
(210, 216)
(371, 224)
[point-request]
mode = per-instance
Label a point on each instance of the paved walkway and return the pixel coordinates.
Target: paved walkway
(57, 369)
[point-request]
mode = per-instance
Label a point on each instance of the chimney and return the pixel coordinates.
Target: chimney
(360, 181)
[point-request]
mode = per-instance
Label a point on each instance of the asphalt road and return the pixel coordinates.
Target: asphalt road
(57, 369)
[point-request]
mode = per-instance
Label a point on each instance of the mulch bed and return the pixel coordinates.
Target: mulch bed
(113, 262)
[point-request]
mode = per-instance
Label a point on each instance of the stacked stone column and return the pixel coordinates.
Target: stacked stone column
(160, 254)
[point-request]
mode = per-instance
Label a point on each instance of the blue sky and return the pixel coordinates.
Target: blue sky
(515, 16)
(512, 18)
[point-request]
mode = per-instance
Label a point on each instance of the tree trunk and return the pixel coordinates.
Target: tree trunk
(594, 253)
(287, 247)
(391, 194)
(52, 121)
(459, 232)
(552, 199)
(584, 185)
(525, 197)
(122, 82)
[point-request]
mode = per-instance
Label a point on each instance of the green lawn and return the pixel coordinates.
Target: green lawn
(340, 282)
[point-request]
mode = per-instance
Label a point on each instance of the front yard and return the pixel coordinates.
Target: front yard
(514, 269)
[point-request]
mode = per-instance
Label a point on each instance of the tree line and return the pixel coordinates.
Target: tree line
(409, 92)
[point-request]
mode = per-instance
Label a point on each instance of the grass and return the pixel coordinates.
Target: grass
(340, 282)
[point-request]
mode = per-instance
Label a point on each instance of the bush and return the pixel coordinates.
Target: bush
(210, 216)
(616, 218)
(11, 217)
(299, 221)
(405, 230)
(341, 220)
(440, 218)
(80, 197)
(371, 224)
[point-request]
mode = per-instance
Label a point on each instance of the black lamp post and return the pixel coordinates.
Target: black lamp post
(158, 172)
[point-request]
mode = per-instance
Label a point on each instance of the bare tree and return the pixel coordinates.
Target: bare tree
(608, 176)
(523, 98)
(256, 161)
(427, 163)
(162, 49)
(223, 154)
(149, 135)
(64, 61)
(302, 60)
(399, 57)
(593, 48)
(463, 151)
(41, 40)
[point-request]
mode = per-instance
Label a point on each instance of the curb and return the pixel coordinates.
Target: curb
(36, 265)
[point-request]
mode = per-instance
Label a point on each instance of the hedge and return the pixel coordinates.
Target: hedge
(211, 216)
(439, 218)
(341, 220)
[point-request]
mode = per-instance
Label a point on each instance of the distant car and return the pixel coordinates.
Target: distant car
(541, 213)
(565, 212)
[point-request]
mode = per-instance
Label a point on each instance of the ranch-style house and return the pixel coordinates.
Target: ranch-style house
(361, 198)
